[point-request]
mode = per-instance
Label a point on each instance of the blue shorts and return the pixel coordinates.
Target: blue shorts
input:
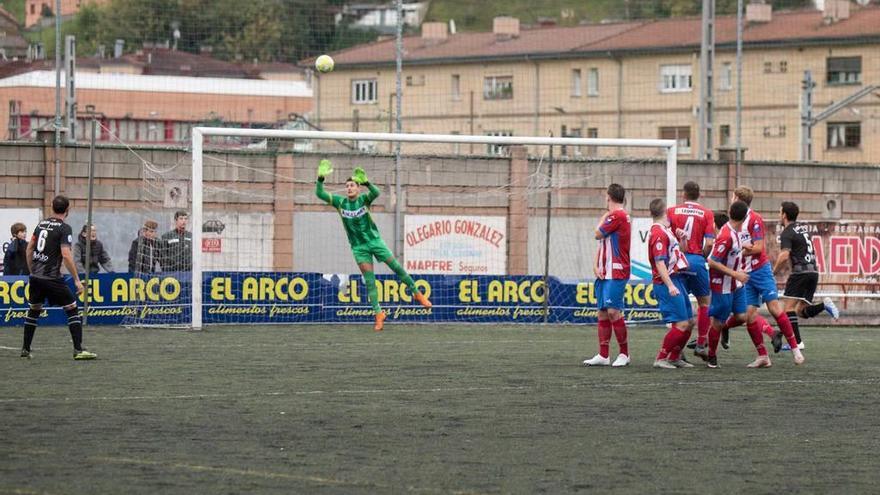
(761, 286)
(677, 308)
(609, 293)
(723, 305)
(697, 280)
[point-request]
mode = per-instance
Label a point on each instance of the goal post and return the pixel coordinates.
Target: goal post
(201, 134)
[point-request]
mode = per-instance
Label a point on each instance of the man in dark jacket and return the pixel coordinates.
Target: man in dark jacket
(15, 260)
(99, 258)
(143, 257)
(177, 246)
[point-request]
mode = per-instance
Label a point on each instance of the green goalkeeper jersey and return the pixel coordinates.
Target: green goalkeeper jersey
(355, 213)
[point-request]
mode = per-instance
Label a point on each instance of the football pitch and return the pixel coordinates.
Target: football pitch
(431, 409)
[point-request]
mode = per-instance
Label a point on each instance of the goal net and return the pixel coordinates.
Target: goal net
(490, 228)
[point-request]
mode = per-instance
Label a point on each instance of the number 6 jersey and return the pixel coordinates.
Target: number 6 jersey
(48, 237)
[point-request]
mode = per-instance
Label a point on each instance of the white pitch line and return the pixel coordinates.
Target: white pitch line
(440, 390)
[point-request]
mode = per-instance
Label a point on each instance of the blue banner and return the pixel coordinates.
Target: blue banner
(303, 297)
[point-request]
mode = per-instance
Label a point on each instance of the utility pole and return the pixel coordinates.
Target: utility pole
(707, 80)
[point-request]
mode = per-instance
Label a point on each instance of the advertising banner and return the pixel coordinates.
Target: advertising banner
(846, 252)
(455, 244)
(277, 297)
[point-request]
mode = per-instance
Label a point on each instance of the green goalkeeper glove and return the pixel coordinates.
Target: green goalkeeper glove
(359, 175)
(325, 168)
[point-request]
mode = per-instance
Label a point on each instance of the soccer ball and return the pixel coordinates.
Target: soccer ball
(324, 63)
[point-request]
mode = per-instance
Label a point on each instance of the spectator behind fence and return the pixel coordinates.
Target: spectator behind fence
(143, 257)
(177, 245)
(15, 260)
(99, 258)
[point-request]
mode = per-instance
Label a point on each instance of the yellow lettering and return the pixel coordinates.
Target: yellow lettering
(218, 286)
(119, 290)
(249, 289)
(495, 291)
(267, 289)
(585, 293)
(298, 289)
(170, 289)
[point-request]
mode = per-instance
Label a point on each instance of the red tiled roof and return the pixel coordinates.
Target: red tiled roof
(165, 62)
(658, 35)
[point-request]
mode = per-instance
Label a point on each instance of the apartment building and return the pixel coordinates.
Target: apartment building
(638, 79)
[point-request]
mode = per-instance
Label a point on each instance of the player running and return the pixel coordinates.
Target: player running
(668, 263)
(761, 286)
(727, 279)
(48, 248)
(363, 235)
(796, 244)
(694, 225)
(612, 269)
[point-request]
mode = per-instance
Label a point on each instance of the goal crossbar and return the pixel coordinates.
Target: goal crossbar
(669, 146)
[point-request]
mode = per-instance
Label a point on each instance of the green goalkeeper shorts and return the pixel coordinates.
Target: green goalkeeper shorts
(364, 253)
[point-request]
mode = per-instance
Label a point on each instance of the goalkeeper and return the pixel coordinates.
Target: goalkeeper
(363, 236)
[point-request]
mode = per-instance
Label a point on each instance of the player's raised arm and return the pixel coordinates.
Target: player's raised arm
(360, 176)
(325, 168)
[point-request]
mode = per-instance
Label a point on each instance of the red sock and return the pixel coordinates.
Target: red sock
(787, 330)
(604, 337)
(714, 337)
(672, 338)
(731, 322)
(619, 327)
(766, 328)
(702, 325)
(754, 329)
(683, 339)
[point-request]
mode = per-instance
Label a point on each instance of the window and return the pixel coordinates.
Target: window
(675, 78)
(593, 82)
(456, 87)
(774, 131)
(725, 78)
(592, 132)
(844, 135)
(574, 132)
(680, 134)
(783, 66)
(415, 80)
(844, 70)
(33, 9)
(724, 137)
(768, 67)
(497, 149)
(364, 91)
(576, 82)
(498, 88)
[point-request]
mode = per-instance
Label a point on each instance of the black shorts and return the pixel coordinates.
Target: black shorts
(802, 285)
(53, 289)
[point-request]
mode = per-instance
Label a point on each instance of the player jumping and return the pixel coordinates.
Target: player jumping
(47, 249)
(796, 244)
(363, 235)
(612, 268)
(667, 266)
(694, 226)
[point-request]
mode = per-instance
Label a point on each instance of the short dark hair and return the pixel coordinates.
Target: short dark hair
(180, 213)
(721, 218)
(351, 179)
(60, 204)
(791, 210)
(617, 193)
(17, 227)
(657, 208)
(85, 227)
(738, 211)
(691, 190)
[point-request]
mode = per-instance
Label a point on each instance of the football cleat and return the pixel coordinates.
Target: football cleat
(798, 356)
(692, 344)
(380, 321)
(664, 364)
(785, 348)
(701, 352)
(622, 360)
(25, 353)
(801, 345)
(831, 308)
(681, 363)
(597, 360)
(725, 338)
(777, 341)
(712, 362)
(761, 362)
(423, 300)
(83, 355)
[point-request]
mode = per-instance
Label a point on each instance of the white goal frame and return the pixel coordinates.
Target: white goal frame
(199, 133)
